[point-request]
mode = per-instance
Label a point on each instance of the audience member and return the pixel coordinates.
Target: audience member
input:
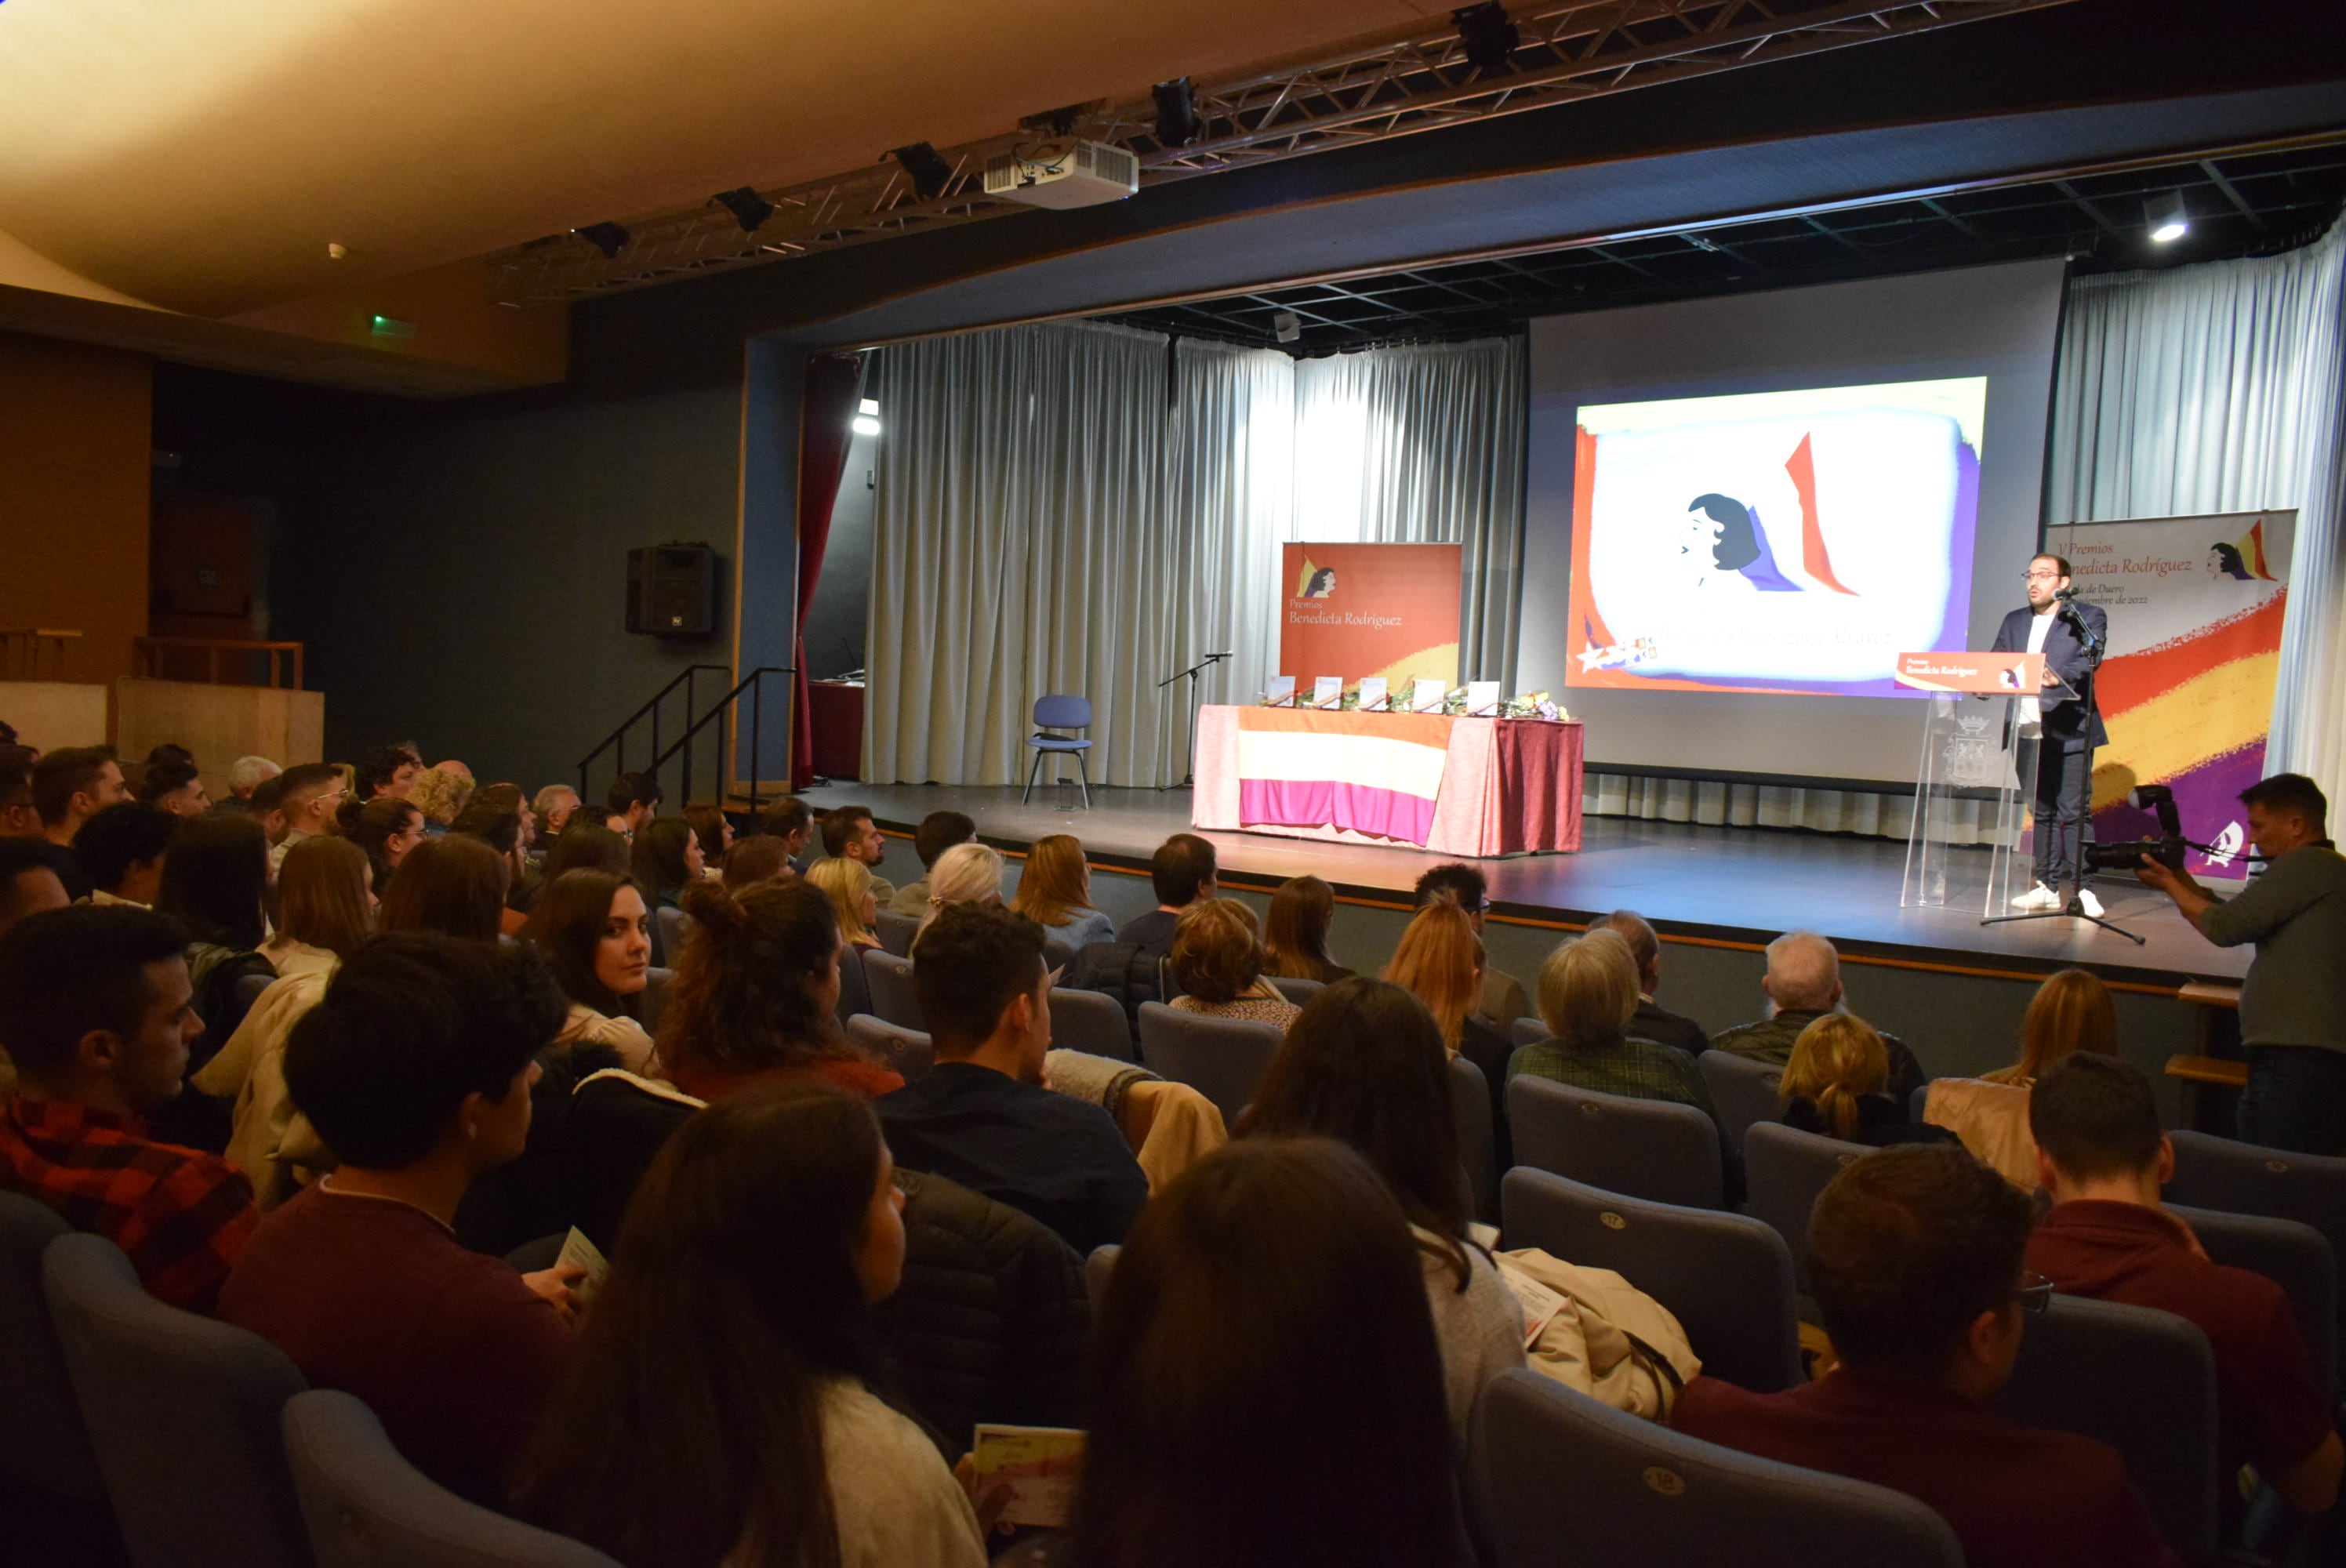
(310, 795)
(1652, 1020)
(502, 828)
(756, 998)
(1832, 1087)
(2293, 999)
(1504, 998)
(389, 772)
(762, 857)
(720, 1406)
(589, 846)
(28, 880)
(385, 829)
(1054, 892)
(980, 1115)
(633, 799)
(553, 806)
(1183, 872)
(325, 908)
(666, 859)
(2071, 1011)
(1916, 1254)
(1802, 984)
(1365, 1064)
(452, 885)
(1440, 962)
(415, 1069)
(595, 935)
(215, 883)
(791, 820)
(121, 850)
(250, 773)
(266, 807)
(850, 834)
(938, 831)
(1295, 936)
(175, 787)
(2100, 1154)
(94, 1006)
(19, 817)
(715, 831)
(440, 792)
(1321, 1434)
(1217, 961)
(965, 874)
(848, 885)
(73, 784)
(1587, 995)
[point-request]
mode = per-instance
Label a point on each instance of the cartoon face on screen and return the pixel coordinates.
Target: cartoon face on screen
(2224, 561)
(1727, 546)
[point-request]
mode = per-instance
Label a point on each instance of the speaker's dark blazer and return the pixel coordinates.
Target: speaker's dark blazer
(2075, 724)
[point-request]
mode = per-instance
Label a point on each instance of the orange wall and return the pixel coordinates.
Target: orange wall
(76, 432)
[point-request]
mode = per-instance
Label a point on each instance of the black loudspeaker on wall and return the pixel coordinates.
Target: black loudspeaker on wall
(672, 590)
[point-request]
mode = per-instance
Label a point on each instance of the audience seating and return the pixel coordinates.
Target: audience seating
(1055, 712)
(854, 986)
(675, 928)
(1558, 1477)
(2247, 1179)
(1478, 1142)
(42, 1440)
(2144, 1382)
(182, 1414)
(1918, 1102)
(1787, 1168)
(2292, 1255)
(1097, 1267)
(368, 1507)
(1089, 1021)
(1655, 1149)
(905, 1052)
(250, 987)
(896, 932)
(893, 996)
(1726, 1278)
(654, 1000)
(1221, 1058)
(1296, 988)
(1527, 1032)
(1745, 1091)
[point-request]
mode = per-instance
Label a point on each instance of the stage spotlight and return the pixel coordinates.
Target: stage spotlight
(2169, 218)
(1489, 35)
(1176, 112)
(610, 238)
(867, 418)
(749, 209)
(927, 167)
(1287, 326)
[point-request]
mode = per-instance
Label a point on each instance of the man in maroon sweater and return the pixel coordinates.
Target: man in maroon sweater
(415, 1069)
(2100, 1154)
(1916, 1254)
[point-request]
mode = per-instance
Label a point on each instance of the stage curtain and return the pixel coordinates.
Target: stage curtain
(1424, 445)
(2217, 388)
(834, 385)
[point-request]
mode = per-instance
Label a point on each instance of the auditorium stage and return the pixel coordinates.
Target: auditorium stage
(1721, 884)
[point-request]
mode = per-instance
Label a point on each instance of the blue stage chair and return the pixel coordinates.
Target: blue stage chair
(1656, 1149)
(1055, 713)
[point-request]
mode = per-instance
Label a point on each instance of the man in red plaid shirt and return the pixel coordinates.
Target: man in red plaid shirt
(93, 1008)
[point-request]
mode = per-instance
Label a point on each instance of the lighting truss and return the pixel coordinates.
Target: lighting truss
(1381, 89)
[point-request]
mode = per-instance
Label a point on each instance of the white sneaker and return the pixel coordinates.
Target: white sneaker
(2039, 897)
(2092, 905)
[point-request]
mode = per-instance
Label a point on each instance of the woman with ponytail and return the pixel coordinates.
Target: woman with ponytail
(1833, 1086)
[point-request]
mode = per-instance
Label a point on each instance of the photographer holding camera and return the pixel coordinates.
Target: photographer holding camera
(2293, 1002)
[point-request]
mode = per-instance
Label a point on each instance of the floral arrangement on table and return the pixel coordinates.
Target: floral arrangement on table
(1532, 705)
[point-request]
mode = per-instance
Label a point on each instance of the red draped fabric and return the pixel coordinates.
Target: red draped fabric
(834, 386)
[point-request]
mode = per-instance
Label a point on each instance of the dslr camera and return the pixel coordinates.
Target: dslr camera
(2167, 849)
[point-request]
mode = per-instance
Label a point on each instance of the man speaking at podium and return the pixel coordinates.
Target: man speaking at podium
(2072, 636)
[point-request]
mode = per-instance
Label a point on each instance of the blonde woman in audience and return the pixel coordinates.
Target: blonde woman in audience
(848, 885)
(1440, 962)
(1054, 892)
(2071, 1011)
(965, 874)
(440, 792)
(596, 933)
(1833, 1086)
(1295, 937)
(1217, 960)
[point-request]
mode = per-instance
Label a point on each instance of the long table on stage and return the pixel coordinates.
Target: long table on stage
(1467, 787)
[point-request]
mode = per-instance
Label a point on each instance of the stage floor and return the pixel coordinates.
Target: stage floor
(1734, 884)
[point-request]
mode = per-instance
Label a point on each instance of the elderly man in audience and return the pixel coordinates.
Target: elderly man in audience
(2100, 1154)
(848, 834)
(1802, 984)
(1504, 998)
(938, 831)
(1652, 1020)
(250, 773)
(308, 797)
(94, 1007)
(416, 1069)
(553, 807)
(1916, 1253)
(980, 1115)
(121, 849)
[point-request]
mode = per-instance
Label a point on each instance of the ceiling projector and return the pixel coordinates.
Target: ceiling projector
(1063, 174)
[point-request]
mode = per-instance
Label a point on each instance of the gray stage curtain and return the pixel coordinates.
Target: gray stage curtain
(2217, 388)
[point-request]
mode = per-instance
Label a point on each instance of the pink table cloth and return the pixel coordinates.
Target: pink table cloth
(1474, 788)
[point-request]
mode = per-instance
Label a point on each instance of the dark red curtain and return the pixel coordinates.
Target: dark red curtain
(834, 386)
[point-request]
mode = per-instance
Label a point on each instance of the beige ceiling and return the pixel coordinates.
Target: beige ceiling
(201, 154)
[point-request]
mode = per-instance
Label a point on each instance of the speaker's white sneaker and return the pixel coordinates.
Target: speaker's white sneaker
(2039, 897)
(2092, 905)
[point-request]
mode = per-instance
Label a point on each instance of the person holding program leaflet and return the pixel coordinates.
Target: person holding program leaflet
(2072, 636)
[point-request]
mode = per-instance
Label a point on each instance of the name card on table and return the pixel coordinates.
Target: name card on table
(1374, 696)
(1328, 691)
(2010, 674)
(1483, 699)
(1280, 691)
(1426, 695)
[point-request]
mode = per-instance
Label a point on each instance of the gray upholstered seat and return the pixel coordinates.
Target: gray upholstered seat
(907, 1052)
(1787, 1170)
(1090, 1022)
(1744, 1091)
(893, 996)
(1221, 1058)
(1656, 1149)
(42, 1439)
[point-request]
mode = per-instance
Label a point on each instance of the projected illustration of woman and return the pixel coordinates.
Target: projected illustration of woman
(1732, 533)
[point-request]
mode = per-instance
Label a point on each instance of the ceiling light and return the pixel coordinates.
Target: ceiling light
(610, 238)
(926, 167)
(2169, 220)
(747, 208)
(1176, 112)
(1489, 35)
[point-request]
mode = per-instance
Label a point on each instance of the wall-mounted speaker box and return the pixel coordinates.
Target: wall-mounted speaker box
(672, 590)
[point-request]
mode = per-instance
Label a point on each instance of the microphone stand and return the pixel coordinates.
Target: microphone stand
(1194, 672)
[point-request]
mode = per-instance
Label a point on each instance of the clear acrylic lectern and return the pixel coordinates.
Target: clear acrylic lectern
(1969, 848)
